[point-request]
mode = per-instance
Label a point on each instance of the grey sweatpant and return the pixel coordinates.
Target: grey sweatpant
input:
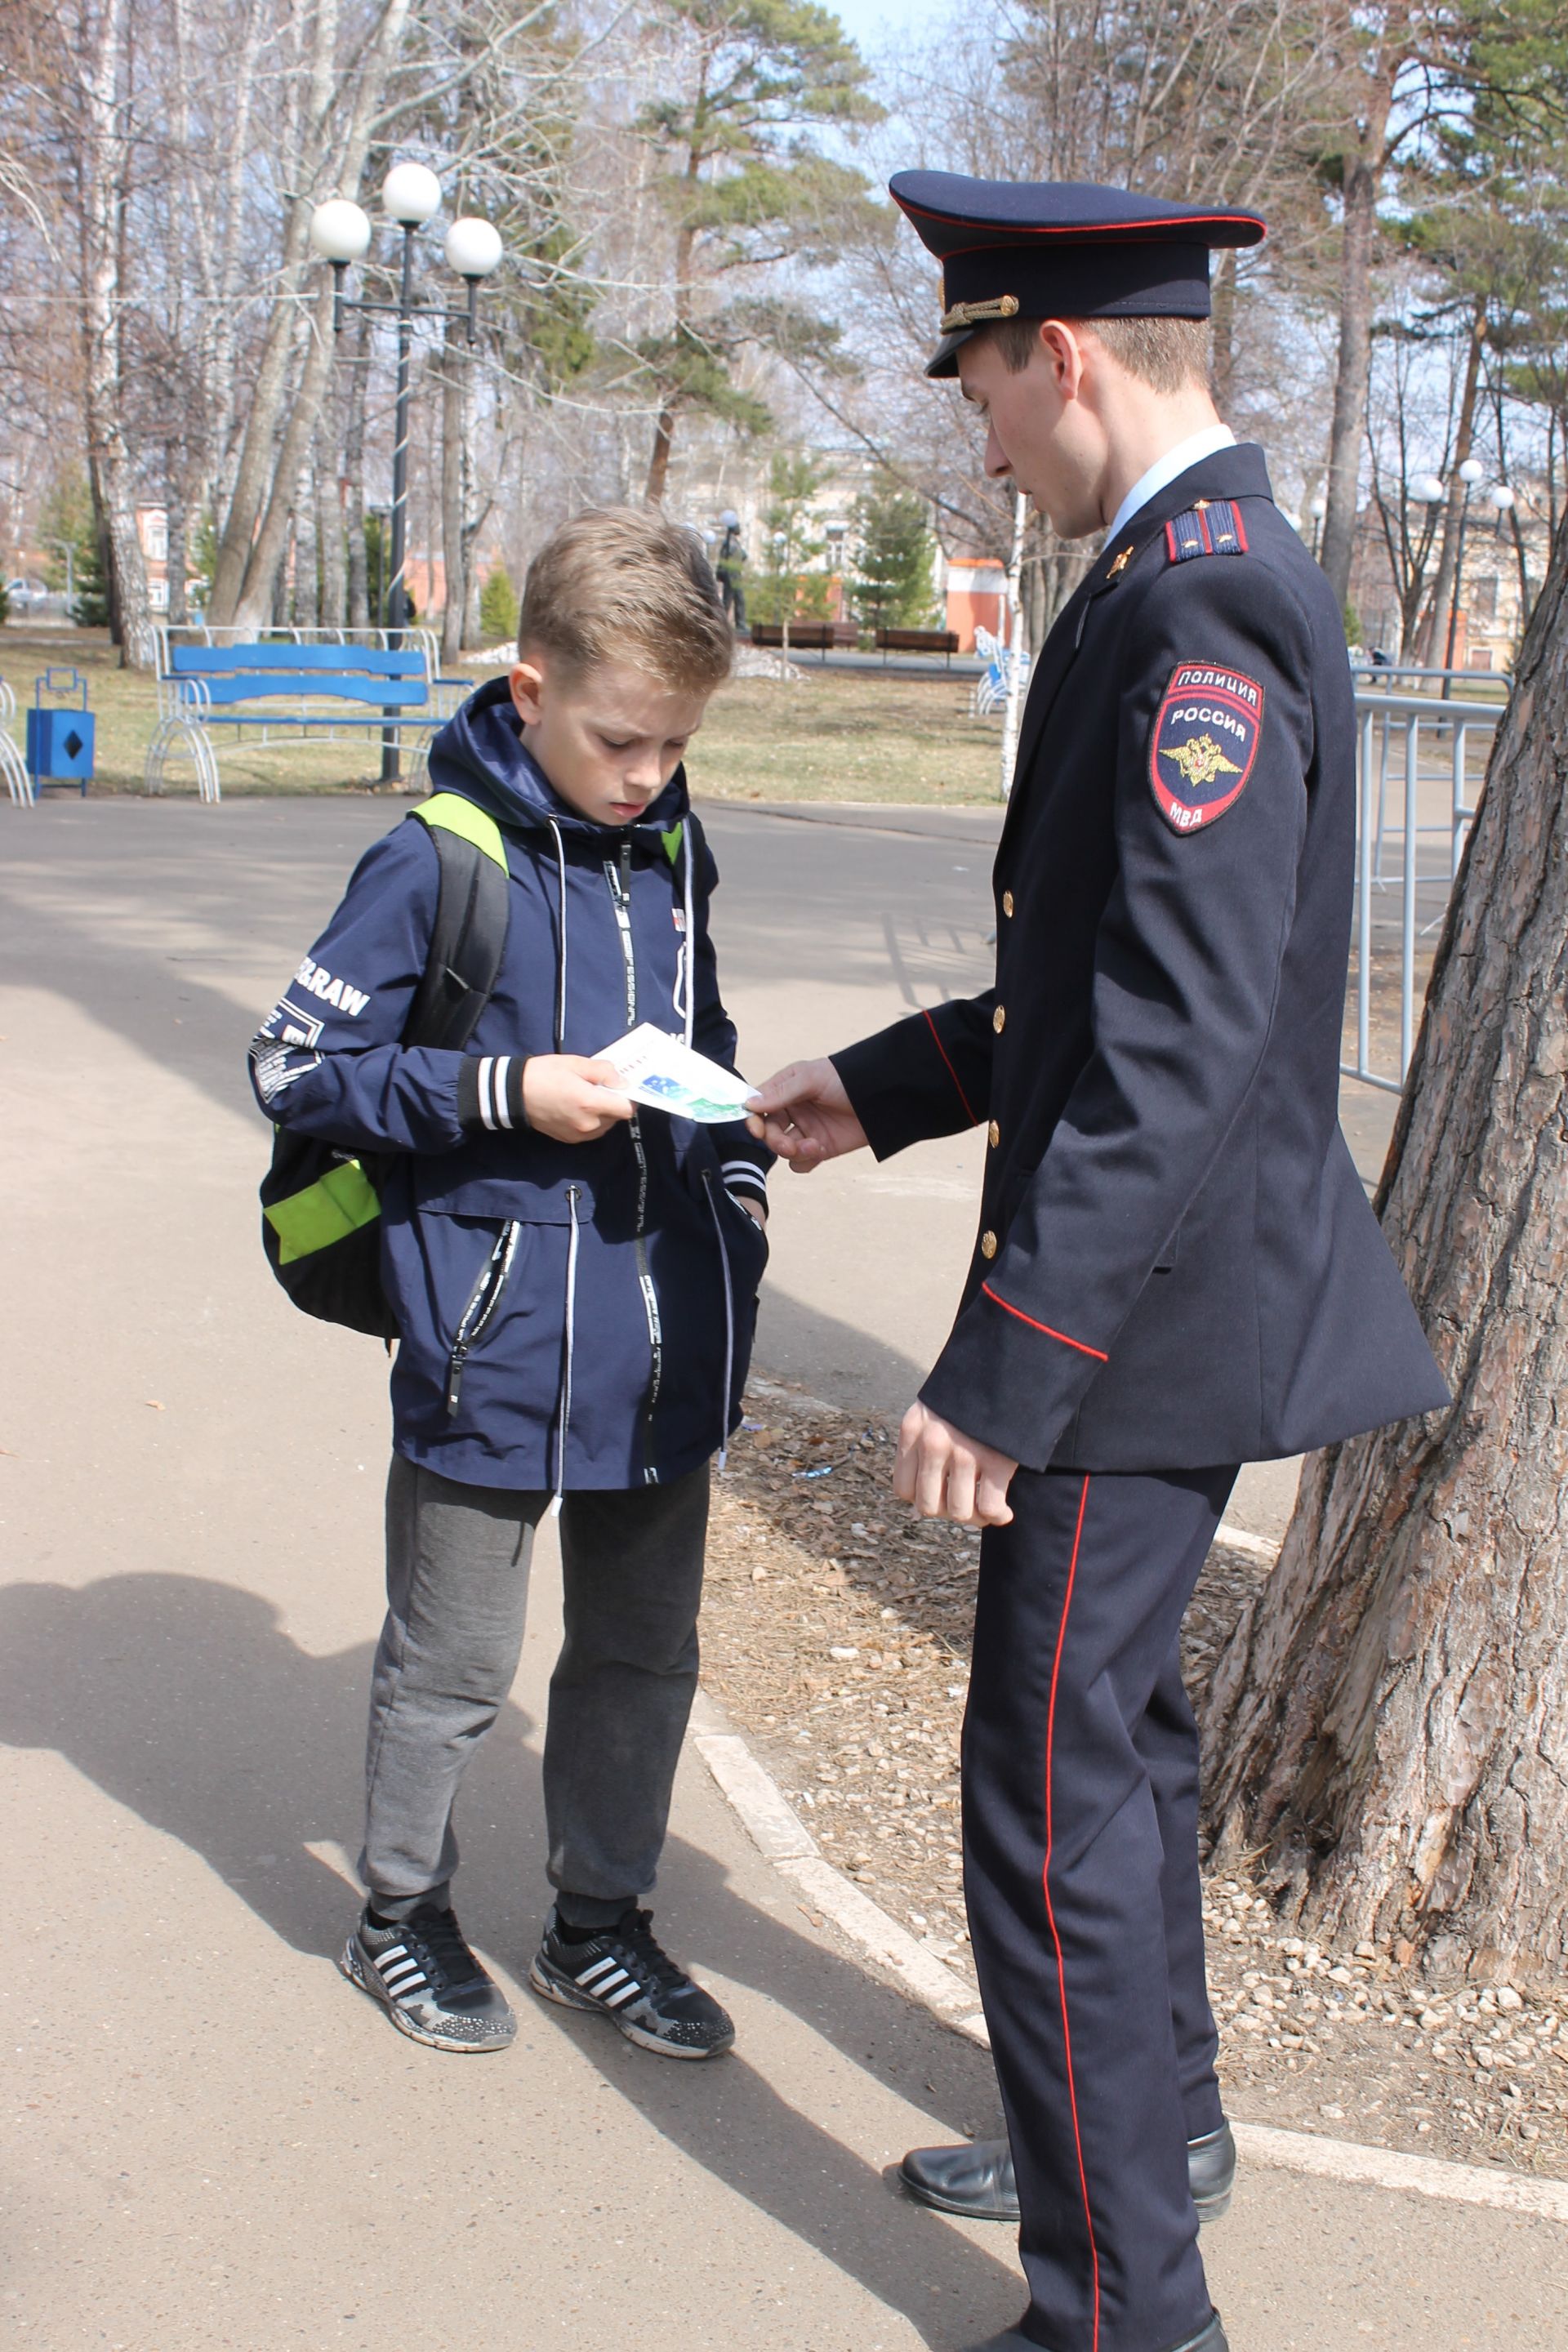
(457, 1588)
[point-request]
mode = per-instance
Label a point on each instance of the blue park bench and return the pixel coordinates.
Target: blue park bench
(309, 688)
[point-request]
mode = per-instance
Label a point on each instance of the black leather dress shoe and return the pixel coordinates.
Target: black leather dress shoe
(976, 2179)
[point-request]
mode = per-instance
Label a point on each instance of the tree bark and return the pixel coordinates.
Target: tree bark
(105, 150)
(1434, 639)
(1369, 103)
(1390, 1719)
(1359, 239)
(307, 564)
(176, 565)
(330, 528)
(659, 461)
(253, 539)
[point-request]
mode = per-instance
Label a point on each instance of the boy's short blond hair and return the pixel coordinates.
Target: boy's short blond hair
(623, 583)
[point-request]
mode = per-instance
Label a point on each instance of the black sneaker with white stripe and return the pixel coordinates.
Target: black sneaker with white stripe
(428, 1981)
(624, 1972)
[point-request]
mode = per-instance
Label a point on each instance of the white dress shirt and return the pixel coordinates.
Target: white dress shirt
(1166, 469)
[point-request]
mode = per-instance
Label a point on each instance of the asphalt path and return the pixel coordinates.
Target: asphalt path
(209, 2140)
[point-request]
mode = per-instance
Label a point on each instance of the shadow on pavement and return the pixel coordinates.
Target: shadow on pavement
(185, 1701)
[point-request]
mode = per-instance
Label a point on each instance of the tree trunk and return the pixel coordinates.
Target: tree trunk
(1390, 1719)
(1359, 239)
(307, 562)
(659, 462)
(105, 152)
(1369, 102)
(253, 540)
(1445, 587)
(178, 532)
(256, 594)
(329, 528)
(1222, 332)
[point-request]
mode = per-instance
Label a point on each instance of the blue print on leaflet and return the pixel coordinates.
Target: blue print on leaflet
(1203, 744)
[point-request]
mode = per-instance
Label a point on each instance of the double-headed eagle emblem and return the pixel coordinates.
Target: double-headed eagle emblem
(1200, 760)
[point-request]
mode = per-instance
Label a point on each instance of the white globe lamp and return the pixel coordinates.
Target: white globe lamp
(1471, 472)
(1501, 499)
(473, 248)
(339, 231)
(410, 194)
(1429, 488)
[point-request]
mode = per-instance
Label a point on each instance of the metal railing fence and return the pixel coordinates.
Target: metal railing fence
(1421, 760)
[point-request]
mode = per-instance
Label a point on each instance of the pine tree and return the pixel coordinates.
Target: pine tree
(743, 188)
(894, 550)
(498, 608)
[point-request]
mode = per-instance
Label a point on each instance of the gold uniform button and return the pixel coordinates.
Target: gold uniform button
(988, 1244)
(995, 1134)
(1007, 902)
(999, 1019)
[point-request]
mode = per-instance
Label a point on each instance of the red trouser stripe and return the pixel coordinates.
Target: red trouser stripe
(951, 1072)
(1050, 1909)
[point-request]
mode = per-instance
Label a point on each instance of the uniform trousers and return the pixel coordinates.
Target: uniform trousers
(1080, 1789)
(457, 1592)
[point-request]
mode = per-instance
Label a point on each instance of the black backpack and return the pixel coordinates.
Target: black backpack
(321, 1208)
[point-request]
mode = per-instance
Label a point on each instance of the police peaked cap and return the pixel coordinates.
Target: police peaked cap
(1061, 249)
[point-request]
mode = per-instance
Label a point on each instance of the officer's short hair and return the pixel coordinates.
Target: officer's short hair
(1165, 353)
(625, 584)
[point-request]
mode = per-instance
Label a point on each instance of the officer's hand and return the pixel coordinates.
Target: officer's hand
(570, 1099)
(803, 1114)
(947, 1476)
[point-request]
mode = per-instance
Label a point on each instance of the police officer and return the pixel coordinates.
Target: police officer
(1176, 1269)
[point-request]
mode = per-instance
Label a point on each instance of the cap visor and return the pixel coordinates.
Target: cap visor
(943, 361)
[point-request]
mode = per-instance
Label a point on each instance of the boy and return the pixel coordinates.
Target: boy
(573, 1284)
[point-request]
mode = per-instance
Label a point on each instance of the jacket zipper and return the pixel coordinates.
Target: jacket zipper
(620, 894)
(483, 1300)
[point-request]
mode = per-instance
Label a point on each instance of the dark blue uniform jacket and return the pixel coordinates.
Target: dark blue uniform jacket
(596, 1300)
(1176, 1264)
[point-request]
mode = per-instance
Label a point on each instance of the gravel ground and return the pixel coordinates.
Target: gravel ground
(836, 1632)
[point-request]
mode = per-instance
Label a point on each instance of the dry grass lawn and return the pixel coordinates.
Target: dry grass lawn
(830, 735)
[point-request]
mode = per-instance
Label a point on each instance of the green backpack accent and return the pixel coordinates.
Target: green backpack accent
(321, 1208)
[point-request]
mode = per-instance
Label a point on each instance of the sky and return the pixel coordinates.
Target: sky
(876, 23)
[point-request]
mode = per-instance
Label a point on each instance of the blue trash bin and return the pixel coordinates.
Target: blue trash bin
(60, 738)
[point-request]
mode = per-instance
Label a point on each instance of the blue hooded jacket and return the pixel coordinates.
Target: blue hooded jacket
(571, 1315)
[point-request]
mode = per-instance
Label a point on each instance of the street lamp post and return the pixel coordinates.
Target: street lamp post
(1470, 472)
(341, 232)
(1319, 505)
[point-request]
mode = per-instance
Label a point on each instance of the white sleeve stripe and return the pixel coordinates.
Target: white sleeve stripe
(503, 1064)
(742, 1168)
(487, 1064)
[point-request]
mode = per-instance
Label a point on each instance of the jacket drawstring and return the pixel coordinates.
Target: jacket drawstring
(689, 943)
(561, 969)
(729, 1325)
(571, 1342)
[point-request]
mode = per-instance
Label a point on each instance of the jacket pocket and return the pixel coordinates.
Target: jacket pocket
(482, 1306)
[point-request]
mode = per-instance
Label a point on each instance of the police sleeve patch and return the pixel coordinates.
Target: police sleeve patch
(1203, 744)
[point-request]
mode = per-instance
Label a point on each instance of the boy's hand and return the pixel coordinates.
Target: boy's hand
(570, 1099)
(947, 1476)
(803, 1114)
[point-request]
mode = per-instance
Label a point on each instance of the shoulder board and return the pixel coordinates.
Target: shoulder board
(1213, 527)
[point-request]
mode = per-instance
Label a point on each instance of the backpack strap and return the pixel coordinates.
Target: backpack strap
(470, 934)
